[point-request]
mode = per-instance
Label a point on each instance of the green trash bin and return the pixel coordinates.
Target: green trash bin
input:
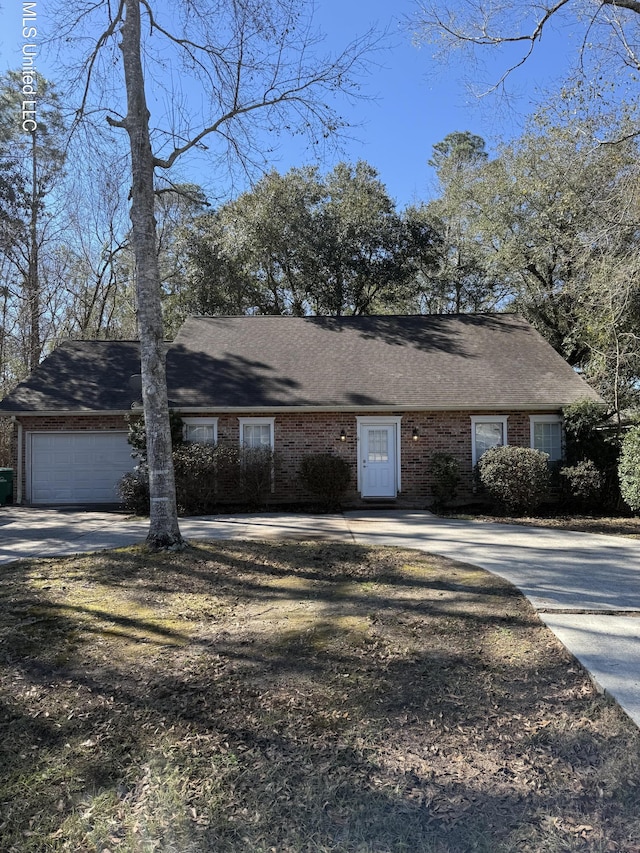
(6, 486)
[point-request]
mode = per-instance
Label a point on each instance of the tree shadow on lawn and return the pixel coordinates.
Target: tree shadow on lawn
(226, 568)
(369, 700)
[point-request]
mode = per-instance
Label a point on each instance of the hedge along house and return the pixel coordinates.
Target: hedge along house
(385, 392)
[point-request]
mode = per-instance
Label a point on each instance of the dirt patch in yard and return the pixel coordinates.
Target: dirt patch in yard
(298, 696)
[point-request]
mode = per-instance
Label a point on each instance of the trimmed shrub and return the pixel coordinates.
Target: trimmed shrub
(517, 478)
(206, 476)
(228, 466)
(582, 484)
(629, 469)
(445, 473)
(257, 473)
(134, 490)
(326, 476)
(209, 477)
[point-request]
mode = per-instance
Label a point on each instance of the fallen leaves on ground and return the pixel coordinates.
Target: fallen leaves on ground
(298, 697)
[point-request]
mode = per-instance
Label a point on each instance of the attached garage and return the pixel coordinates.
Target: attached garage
(76, 467)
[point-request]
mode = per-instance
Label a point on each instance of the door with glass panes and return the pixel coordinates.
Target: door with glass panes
(378, 461)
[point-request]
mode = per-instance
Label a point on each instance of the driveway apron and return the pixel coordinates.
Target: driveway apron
(28, 532)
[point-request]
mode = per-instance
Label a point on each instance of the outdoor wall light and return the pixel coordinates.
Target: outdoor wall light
(343, 435)
(414, 434)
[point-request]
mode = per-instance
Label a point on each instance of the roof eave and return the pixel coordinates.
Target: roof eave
(495, 406)
(53, 413)
(381, 407)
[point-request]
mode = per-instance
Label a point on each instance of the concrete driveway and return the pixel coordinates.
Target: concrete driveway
(585, 587)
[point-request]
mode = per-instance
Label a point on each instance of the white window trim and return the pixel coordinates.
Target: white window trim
(546, 419)
(257, 422)
(261, 422)
(487, 419)
(201, 422)
(371, 420)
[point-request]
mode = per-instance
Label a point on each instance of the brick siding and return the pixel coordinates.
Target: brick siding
(299, 434)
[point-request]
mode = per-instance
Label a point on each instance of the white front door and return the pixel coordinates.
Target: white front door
(378, 461)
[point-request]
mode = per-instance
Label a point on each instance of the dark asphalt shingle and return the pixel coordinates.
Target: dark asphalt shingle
(495, 361)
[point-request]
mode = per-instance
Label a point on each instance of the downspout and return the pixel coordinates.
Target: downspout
(19, 465)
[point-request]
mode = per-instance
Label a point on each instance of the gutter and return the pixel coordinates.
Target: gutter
(275, 409)
(63, 413)
(399, 407)
(504, 406)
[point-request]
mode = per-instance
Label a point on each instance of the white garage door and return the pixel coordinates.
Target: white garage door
(77, 467)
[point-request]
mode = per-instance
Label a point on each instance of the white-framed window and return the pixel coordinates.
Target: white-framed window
(546, 435)
(257, 432)
(200, 430)
(487, 431)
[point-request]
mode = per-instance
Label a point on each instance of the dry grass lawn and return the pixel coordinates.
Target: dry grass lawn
(289, 697)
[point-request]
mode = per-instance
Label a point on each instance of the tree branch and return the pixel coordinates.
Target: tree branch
(181, 42)
(100, 42)
(434, 20)
(632, 5)
(483, 24)
(290, 92)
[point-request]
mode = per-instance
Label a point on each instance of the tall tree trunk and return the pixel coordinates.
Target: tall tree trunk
(33, 281)
(163, 530)
(4, 295)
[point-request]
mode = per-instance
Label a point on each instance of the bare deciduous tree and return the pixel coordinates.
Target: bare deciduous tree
(605, 31)
(256, 69)
(32, 166)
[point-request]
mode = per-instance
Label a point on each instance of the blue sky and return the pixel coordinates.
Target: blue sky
(414, 102)
(418, 102)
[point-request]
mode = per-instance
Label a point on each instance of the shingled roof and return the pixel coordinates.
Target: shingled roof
(475, 362)
(85, 376)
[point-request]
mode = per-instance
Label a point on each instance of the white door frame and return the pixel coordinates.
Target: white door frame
(378, 420)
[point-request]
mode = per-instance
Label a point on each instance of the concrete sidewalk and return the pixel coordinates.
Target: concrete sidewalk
(585, 587)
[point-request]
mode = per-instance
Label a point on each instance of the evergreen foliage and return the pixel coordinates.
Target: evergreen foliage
(581, 485)
(591, 445)
(208, 478)
(137, 433)
(445, 474)
(517, 478)
(629, 469)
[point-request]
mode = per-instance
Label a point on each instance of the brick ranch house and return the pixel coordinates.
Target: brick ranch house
(385, 392)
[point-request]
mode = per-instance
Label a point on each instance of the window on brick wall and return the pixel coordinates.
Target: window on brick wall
(546, 435)
(257, 432)
(487, 431)
(200, 430)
